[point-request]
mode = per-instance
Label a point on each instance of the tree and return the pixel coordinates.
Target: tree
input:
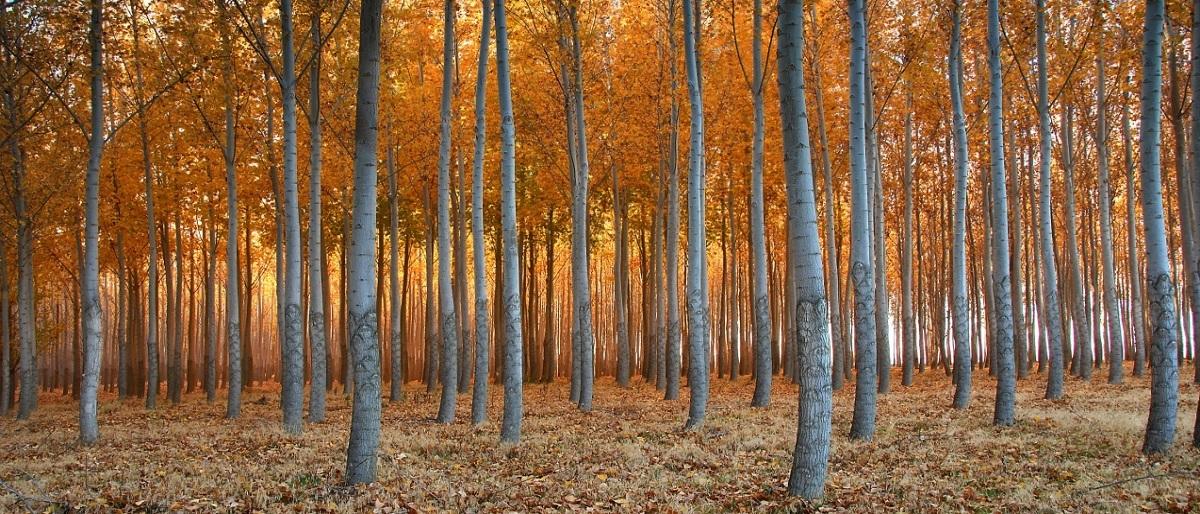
(396, 337)
(89, 429)
(861, 266)
(510, 427)
(760, 301)
(6, 383)
(810, 458)
(697, 261)
(1164, 381)
(361, 451)
(1138, 330)
(449, 320)
(233, 331)
(316, 274)
(1006, 372)
(1054, 384)
(581, 295)
(837, 342)
(1081, 330)
(151, 224)
(479, 395)
(672, 357)
(907, 315)
(959, 307)
(292, 379)
(1112, 307)
(1195, 188)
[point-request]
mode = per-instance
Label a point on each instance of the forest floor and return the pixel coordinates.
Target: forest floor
(629, 454)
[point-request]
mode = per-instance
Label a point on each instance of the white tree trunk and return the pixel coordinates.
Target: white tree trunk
(510, 426)
(581, 295)
(810, 458)
(292, 372)
(1049, 271)
(89, 429)
(233, 331)
(697, 272)
(448, 323)
(760, 293)
(958, 287)
(1004, 413)
(482, 332)
(1112, 306)
(1164, 384)
(362, 448)
(672, 358)
(316, 289)
(861, 271)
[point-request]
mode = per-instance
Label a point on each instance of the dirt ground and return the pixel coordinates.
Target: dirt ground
(629, 454)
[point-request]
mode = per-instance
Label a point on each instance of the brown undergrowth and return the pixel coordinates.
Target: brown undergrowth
(1079, 454)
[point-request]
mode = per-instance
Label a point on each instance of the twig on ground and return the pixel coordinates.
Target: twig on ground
(28, 499)
(1128, 480)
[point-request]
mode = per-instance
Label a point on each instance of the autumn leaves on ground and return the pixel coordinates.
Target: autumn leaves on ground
(629, 454)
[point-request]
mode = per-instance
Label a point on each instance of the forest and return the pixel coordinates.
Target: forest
(599, 255)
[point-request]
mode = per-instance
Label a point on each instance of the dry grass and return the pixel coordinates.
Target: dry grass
(627, 455)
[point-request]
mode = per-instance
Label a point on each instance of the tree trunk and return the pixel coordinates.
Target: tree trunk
(672, 352)
(549, 346)
(837, 343)
(482, 346)
(177, 347)
(316, 272)
(697, 259)
(1164, 384)
(1050, 300)
(581, 295)
(395, 317)
(1194, 181)
(164, 231)
(959, 306)
(6, 377)
(863, 425)
(810, 458)
(758, 246)
(89, 430)
(448, 319)
(232, 309)
(909, 336)
(1005, 364)
(122, 320)
(1081, 330)
(210, 318)
(620, 282)
(361, 450)
(292, 347)
(878, 231)
(151, 239)
(1112, 306)
(510, 426)
(431, 371)
(26, 331)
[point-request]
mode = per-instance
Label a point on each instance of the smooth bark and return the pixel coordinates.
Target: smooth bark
(1164, 382)
(448, 322)
(482, 332)
(510, 426)
(89, 429)
(1049, 271)
(862, 267)
(362, 448)
(810, 459)
(1004, 413)
(697, 272)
